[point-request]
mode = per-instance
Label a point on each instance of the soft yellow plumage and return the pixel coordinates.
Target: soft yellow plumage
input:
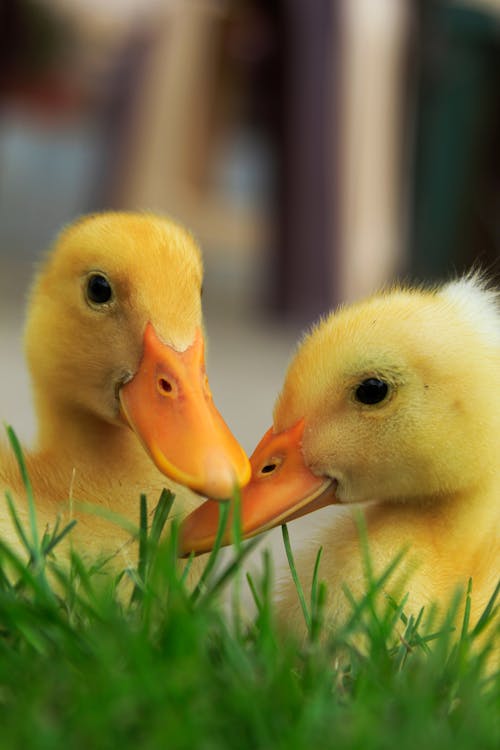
(85, 356)
(422, 460)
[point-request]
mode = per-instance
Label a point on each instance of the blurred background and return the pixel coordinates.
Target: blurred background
(316, 149)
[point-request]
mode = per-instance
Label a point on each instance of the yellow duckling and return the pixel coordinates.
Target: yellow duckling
(114, 341)
(390, 406)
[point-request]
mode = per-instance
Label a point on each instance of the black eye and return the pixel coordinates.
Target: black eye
(98, 289)
(371, 391)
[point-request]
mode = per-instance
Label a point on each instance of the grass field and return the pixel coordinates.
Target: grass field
(84, 666)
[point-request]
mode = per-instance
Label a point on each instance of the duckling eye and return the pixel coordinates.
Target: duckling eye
(98, 289)
(371, 391)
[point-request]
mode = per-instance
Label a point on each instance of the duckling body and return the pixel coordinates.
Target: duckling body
(390, 408)
(439, 557)
(114, 344)
(80, 488)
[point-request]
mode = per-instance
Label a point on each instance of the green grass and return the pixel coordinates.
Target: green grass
(81, 666)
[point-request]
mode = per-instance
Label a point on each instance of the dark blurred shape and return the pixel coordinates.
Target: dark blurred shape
(455, 220)
(32, 42)
(305, 142)
(114, 110)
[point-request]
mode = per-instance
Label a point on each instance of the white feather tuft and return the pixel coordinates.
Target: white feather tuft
(478, 303)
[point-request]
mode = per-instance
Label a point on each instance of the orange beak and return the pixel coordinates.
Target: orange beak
(169, 405)
(281, 489)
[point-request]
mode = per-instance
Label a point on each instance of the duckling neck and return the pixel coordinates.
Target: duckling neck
(92, 446)
(452, 515)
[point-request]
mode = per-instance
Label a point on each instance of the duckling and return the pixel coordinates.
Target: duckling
(389, 406)
(115, 347)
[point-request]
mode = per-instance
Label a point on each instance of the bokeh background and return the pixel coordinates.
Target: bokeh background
(317, 150)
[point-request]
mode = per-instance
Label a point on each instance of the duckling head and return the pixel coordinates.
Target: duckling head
(393, 399)
(114, 332)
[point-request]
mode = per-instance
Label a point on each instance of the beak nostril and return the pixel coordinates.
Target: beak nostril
(164, 386)
(268, 468)
(271, 466)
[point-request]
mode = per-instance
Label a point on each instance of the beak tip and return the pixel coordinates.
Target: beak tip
(245, 473)
(222, 476)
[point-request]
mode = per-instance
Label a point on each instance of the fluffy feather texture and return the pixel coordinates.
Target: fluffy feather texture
(77, 354)
(424, 463)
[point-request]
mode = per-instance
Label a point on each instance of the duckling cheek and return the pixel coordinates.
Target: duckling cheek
(169, 405)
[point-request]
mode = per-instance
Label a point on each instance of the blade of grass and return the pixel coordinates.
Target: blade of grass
(16, 447)
(109, 515)
(487, 614)
(318, 599)
(160, 516)
(55, 539)
(47, 534)
(410, 638)
(139, 575)
(254, 592)
(466, 618)
(366, 602)
(17, 523)
(317, 611)
(295, 576)
(237, 542)
(28, 580)
(415, 637)
(83, 573)
(263, 631)
(314, 584)
(149, 540)
(221, 528)
(71, 599)
(266, 588)
(229, 571)
(187, 567)
(236, 519)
